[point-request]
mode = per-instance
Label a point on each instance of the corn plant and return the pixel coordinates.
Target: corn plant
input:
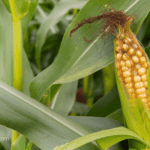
(57, 88)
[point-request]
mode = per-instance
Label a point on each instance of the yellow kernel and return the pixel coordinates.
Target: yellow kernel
(131, 51)
(127, 74)
(122, 63)
(118, 48)
(131, 90)
(144, 100)
(119, 73)
(127, 40)
(139, 53)
(125, 47)
(135, 59)
(124, 69)
(134, 72)
(140, 91)
(144, 77)
(148, 104)
(126, 56)
(133, 95)
(142, 96)
(129, 85)
(118, 42)
(129, 63)
(146, 84)
(134, 45)
(141, 71)
(145, 65)
(147, 92)
(119, 56)
(142, 59)
(138, 66)
(139, 85)
(128, 80)
(137, 78)
(122, 79)
(117, 65)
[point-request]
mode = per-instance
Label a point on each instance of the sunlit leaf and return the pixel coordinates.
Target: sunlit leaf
(78, 58)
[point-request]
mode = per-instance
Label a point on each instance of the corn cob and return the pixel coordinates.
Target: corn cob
(132, 65)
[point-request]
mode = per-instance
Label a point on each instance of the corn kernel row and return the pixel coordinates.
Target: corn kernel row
(132, 66)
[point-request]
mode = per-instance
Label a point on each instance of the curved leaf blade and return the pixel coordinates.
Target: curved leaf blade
(60, 9)
(37, 122)
(44, 127)
(106, 138)
(78, 58)
(109, 102)
(65, 98)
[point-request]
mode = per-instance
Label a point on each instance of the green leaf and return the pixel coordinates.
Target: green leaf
(60, 9)
(5, 137)
(95, 123)
(78, 58)
(20, 143)
(6, 2)
(19, 8)
(79, 108)
(27, 18)
(1, 147)
(106, 105)
(98, 124)
(36, 121)
(65, 98)
(29, 146)
(147, 50)
(6, 47)
(108, 78)
(117, 115)
(106, 138)
(145, 31)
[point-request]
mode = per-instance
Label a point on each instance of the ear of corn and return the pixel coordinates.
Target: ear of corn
(132, 69)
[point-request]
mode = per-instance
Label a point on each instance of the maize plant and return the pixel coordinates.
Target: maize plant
(45, 53)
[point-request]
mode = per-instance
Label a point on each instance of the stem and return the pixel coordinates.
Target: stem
(17, 63)
(88, 90)
(109, 78)
(17, 54)
(86, 84)
(17, 57)
(75, 11)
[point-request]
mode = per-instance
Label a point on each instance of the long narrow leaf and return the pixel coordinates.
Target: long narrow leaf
(60, 9)
(106, 138)
(78, 58)
(65, 98)
(44, 127)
